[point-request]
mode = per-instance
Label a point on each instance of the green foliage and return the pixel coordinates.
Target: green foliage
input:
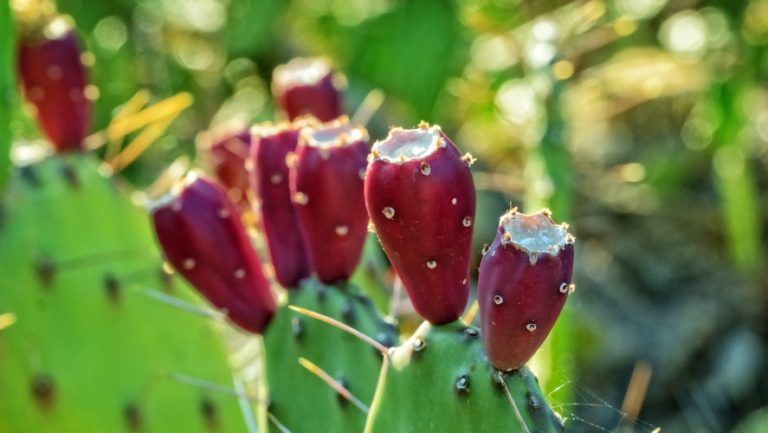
(418, 42)
(90, 349)
(300, 400)
(756, 422)
(252, 26)
(734, 177)
(440, 381)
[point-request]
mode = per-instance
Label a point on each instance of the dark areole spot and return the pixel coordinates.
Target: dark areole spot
(208, 412)
(43, 389)
(112, 287)
(132, 416)
(297, 327)
(45, 269)
(462, 385)
(70, 175)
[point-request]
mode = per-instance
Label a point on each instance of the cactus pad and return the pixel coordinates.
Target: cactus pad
(440, 381)
(90, 350)
(300, 400)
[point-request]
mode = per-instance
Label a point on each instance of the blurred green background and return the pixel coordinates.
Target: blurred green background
(643, 123)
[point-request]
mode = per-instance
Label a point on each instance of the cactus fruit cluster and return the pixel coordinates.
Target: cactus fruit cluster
(421, 201)
(202, 236)
(306, 181)
(102, 332)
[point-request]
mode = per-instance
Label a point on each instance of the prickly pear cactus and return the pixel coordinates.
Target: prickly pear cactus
(91, 350)
(440, 380)
(300, 400)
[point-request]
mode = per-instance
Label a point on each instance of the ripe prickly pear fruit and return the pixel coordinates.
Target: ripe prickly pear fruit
(200, 232)
(54, 80)
(306, 86)
(272, 147)
(421, 200)
(226, 155)
(525, 279)
(327, 189)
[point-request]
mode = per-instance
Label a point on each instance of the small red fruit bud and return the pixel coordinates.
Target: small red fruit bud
(421, 200)
(226, 155)
(525, 278)
(273, 148)
(200, 232)
(306, 86)
(327, 189)
(54, 80)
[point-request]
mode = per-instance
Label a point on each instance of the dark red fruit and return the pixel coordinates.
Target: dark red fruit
(226, 155)
(421, 200)
(54, 80)
(200, 232)
(327, 188)
(273, 146)
(306, 86)
(525, 278)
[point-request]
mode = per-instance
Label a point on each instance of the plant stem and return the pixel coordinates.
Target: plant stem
(7, 89)
(734, 177)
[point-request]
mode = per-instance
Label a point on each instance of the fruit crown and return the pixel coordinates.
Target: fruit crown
(534, 233)
(403, 145)
(300, 72)
(336, 133)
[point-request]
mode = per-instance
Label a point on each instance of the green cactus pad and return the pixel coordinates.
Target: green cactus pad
(91, 350)
(440, 381)
(302, 401)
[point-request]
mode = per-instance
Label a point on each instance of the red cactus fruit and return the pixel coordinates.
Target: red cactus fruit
(421, 200)
(525, 278)
(327, 189)
(272, 147)
(200, 232)
(306, 86)
(54, 81)
(226, 155)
